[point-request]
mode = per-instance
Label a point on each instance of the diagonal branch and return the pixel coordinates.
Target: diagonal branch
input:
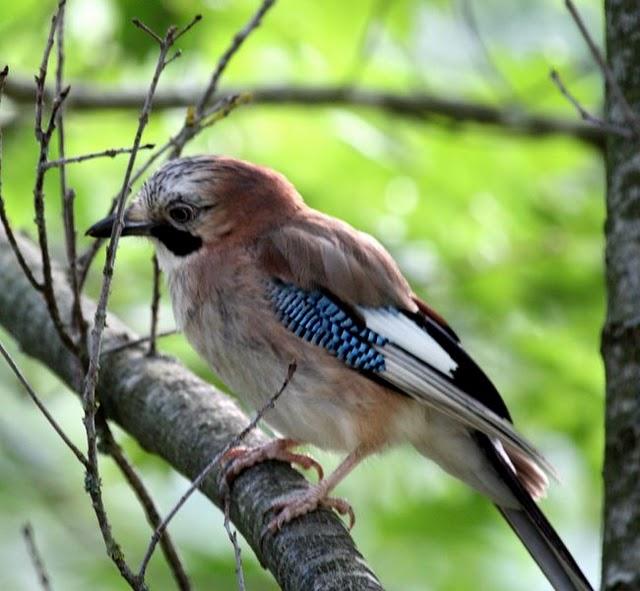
(41, 407)
(176, 415)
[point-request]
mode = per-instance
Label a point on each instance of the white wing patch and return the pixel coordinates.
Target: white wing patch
(407, 335)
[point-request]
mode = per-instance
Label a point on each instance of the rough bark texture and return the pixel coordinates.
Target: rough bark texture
(621, 336)
(186, 421)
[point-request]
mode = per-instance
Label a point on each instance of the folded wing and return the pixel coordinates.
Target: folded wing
(339, 289)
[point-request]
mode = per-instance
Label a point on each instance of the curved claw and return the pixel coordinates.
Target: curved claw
(241, 458)
(303, 502)
(342, 507)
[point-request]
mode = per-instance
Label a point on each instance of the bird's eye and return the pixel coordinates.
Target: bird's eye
(181, 214)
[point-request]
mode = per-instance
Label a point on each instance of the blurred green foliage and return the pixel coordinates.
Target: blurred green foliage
(501, 234)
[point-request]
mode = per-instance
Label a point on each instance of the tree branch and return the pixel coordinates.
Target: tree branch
(176, 415)
(416, 105)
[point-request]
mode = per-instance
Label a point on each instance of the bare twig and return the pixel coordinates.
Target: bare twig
(203, 474)
(155, 306)
(43, 137)
(3, 213)
(467, 8)
(110, 153)
(584, 114)
(212, 115)
(136, 342)
(195, 120)
(630, 116)
(194, 21)
(67, 195)
(43, 409)
(36, 558)
(138, 23)
(44, 64)
(238, 39)
(233, 538)
(109, 445)
(91, 378)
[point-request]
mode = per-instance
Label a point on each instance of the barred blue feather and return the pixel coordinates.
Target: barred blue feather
(315, 317)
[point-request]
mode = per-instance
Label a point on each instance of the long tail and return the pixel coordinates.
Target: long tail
(534, 529)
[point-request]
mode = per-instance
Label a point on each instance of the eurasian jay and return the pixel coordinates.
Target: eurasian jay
(259, 280)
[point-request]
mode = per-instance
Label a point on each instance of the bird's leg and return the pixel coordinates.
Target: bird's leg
(301, 502)
(241, 458)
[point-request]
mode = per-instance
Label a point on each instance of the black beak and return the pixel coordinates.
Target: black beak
(103, 228)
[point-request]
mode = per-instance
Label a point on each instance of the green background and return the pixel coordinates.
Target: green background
(502, 234)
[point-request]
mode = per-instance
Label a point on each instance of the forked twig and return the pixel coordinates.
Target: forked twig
(584, 114)
(238, 39)
(67, 195)
(630, 116)
(43, 137)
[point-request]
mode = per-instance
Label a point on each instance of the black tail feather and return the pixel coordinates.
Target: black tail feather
(534, 529)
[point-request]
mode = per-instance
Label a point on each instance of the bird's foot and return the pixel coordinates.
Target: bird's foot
(302, 502)
(241, 458)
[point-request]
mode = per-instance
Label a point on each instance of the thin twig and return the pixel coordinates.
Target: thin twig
(67, 195)
(43, 409)
(43, 137)
(91, 378)
(155, 306)
(111, 153)
(194, 21)
(219, 110)
(233, 538)
(238, 39)
(584, 114)
(138, 23)
(136, 342)
(3, 213)
(203, 474)
(109, 445)
(36, 558)
(44, 64)
(630, 116)
(193, 123)
(469, 15)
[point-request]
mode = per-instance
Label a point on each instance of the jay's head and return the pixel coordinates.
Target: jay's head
(201, 201)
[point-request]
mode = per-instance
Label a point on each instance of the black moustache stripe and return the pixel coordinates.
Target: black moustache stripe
(179, 242)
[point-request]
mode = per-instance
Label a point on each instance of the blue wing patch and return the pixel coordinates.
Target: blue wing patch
(315, 317)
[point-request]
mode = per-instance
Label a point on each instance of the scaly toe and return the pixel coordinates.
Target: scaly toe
(297, 504)
(304, 461)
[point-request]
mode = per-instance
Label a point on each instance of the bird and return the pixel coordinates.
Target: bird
(260, 281)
